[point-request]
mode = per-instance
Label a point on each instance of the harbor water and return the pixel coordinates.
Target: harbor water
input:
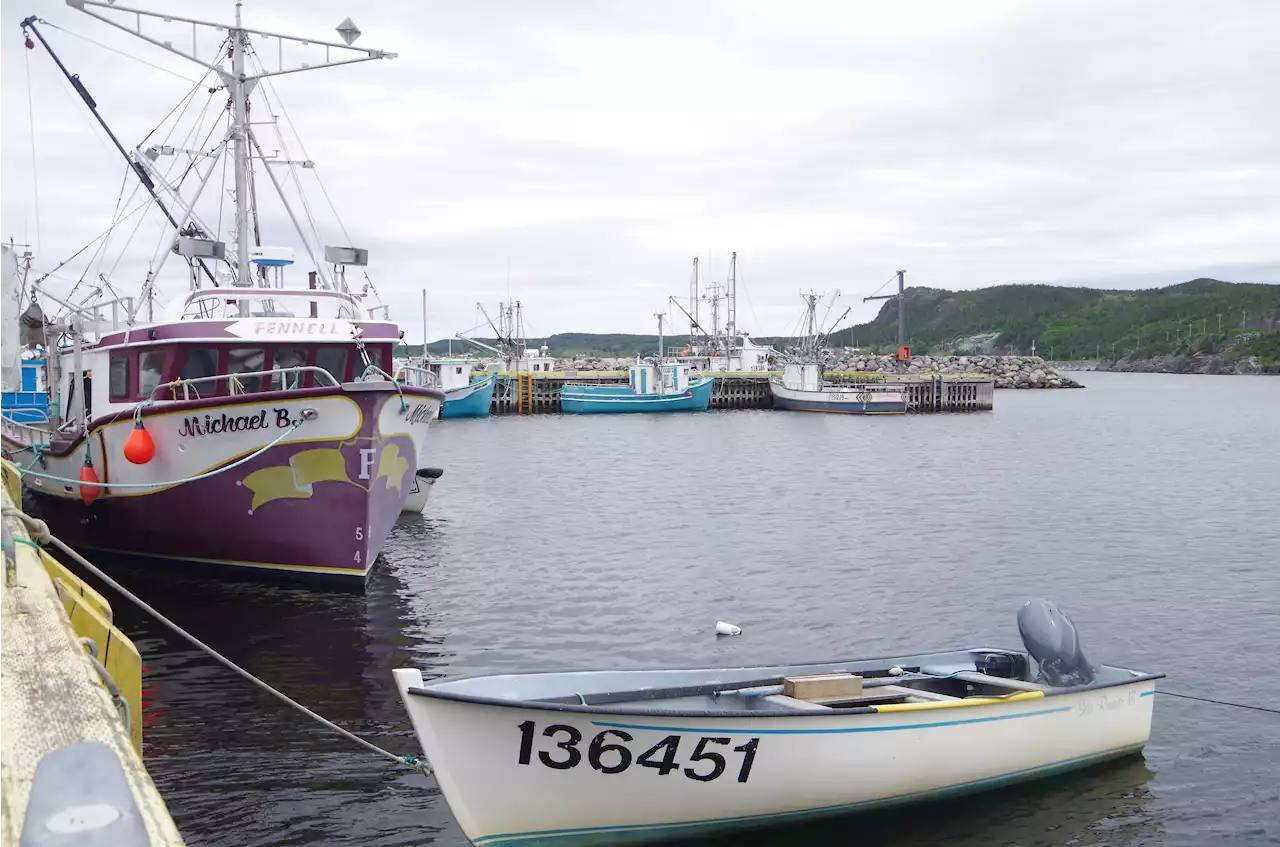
(1147, 505)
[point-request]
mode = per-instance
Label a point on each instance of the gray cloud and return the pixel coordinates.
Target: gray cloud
(600, 146)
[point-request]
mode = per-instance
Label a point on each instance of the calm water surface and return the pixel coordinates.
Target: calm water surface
(1147, 505)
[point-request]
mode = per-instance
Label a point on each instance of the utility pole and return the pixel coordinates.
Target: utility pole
(902, 309)
(1242, 319)
(1219, 323)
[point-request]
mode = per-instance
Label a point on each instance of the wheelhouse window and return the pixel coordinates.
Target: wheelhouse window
(246, 360)
(288, 357)
(119, 376)
(201, 362)
(333, 360)
(150, 370)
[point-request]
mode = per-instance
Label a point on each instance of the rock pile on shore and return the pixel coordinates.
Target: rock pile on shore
(1200, 363)
(1009, 371)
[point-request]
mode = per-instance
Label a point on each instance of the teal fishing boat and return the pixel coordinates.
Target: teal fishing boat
(652, 387)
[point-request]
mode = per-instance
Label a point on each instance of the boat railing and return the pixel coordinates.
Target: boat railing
(236, 381)
(24, 433)
(24, 411)
(417, 377)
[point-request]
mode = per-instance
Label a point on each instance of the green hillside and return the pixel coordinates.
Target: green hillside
(1203, 315)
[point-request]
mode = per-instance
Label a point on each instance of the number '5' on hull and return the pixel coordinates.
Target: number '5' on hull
(637, 756)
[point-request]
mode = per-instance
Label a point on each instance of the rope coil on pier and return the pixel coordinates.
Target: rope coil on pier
(39, 531)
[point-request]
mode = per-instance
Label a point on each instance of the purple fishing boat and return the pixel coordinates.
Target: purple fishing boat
(251, 423)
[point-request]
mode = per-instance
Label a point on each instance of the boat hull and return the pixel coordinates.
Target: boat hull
(850, 401)
(608, 399)
(420, 490)
(469, 401)
(579, 788)
(318, 503)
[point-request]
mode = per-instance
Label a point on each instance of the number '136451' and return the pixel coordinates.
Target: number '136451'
(608, 753)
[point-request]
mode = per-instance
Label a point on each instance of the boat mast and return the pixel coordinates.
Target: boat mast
(240, 143)
(693, 300)
(731, 305)
(424, 327)
(241, 85)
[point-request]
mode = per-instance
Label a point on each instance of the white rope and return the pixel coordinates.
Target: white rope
(39, 531)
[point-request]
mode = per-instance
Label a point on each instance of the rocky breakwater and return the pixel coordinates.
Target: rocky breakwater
(1008, 371)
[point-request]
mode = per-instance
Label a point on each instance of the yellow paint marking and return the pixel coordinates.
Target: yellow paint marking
(956, 704)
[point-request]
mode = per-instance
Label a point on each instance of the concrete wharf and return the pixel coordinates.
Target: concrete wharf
(71, 706)
(539, 393)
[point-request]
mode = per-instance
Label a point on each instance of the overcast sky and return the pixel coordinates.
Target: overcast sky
(595, 148)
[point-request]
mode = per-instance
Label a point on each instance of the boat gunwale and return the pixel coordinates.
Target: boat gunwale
(623, 708)
(60, 449)
(620, 389)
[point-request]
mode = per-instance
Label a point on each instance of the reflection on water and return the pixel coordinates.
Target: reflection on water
(1106, 802)
(1146, 505)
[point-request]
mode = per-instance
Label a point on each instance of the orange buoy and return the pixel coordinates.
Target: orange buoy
(89, 493)
(139, 448)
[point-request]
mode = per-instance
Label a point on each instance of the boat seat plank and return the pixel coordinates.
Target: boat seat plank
(984, 679)
(791, 704)
(920, 693)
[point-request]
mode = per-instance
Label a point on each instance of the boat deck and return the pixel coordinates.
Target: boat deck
(931, 680)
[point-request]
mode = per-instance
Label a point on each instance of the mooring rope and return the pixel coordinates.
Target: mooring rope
(1219, 702)
(39, 531)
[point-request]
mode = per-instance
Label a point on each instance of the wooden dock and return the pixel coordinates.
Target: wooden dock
(539, 393)
(72, 763)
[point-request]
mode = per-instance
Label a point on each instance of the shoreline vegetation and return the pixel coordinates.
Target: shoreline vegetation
(1201, 326)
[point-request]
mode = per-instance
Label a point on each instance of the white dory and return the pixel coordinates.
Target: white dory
(608, 757)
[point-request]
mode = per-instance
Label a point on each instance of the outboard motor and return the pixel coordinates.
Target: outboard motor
(1051, 639)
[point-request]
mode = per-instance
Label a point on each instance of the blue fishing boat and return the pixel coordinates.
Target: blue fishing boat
(23, 374)
(471, 400)
(27, 401)
(652, 387)
(467, 393)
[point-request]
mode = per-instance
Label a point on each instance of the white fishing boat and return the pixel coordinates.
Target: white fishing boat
(611, 757)
(716, 346)
(248, 422)
(803, 389)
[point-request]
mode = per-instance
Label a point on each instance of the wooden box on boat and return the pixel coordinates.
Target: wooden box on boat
(823, 688)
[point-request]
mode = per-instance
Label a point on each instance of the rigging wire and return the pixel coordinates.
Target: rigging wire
(198, 85)
(97, 254)
(222, 186)
(284, 148)
(120, 52)
(284, 112)
(31, 122)
(92, 241)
